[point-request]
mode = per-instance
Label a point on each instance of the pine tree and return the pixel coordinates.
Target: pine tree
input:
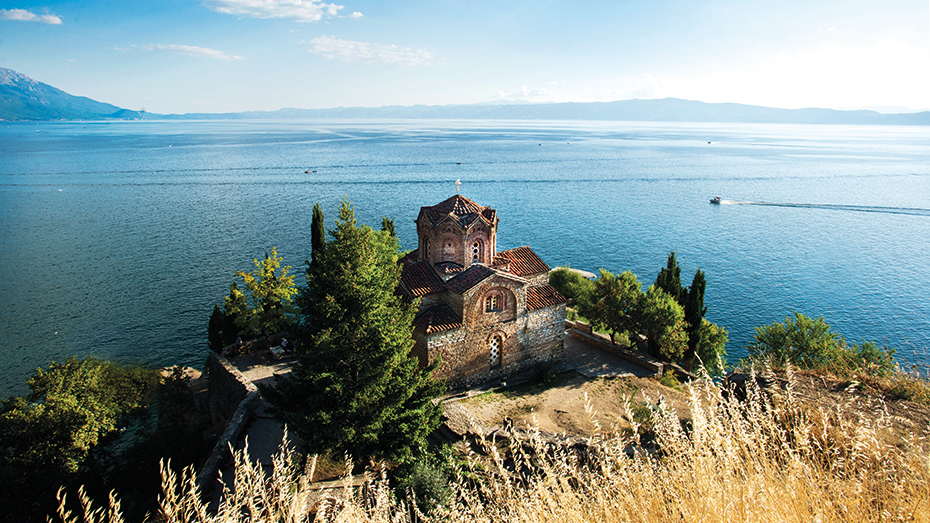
(355, 387)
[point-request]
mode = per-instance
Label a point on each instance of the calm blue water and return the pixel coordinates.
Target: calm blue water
(116, 238)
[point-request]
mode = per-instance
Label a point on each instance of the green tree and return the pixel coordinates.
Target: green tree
(662, 320)
(355, 387)
(800, 340)
(669, 279)
(272, 295)
(216, 338)
(614, 302)
(237, 312)
(572, 285)
(387, 225)
(692, 299)
(711, 346)
(46, 436)
(811, 344)
(317, 233)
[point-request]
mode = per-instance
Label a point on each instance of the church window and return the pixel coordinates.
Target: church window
(476, 251)
(426, 247)
(492, 303)
(495, 350)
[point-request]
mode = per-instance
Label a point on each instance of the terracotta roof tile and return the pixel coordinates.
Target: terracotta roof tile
(543, 296)
(523, 261)
(468, 279)
(409, 258)
(449, 267)
(437, 319)
(419, 279)
(461, 208)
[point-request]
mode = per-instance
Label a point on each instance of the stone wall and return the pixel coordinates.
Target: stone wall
(545, 330)
(233, 398)
(530, 338)
(228, 387)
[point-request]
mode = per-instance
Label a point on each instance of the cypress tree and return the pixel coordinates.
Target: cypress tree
(387, 225)
(355, 387)
(694, 313)
(215, 329)
(317, 233)
(669, 279)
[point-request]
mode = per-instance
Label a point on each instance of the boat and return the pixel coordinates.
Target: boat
(715, 200)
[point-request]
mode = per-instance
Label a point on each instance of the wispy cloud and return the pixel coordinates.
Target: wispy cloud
(356, 14)
(192, 50)
(350, 51)
(525, 93)
(299, 10)
(23, 15)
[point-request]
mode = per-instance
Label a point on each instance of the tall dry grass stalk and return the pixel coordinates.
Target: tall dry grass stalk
(738, 460)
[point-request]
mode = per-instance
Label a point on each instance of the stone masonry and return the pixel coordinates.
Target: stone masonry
(485, 314)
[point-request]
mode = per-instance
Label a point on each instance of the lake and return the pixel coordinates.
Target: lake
(116, 238)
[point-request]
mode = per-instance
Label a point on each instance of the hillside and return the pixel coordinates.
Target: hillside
(664, 110)
(22, 98)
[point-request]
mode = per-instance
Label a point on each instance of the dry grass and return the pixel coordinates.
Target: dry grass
(748, 460)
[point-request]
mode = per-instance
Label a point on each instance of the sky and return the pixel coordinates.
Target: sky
(181, 56)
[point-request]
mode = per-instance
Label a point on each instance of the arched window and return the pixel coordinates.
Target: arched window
(495, 350)
(476, 251)
(492, 303)
(426, 247)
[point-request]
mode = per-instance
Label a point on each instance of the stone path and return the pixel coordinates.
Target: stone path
(595, 362)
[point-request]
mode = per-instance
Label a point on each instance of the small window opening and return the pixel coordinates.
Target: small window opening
(492, 303)
(495, 351)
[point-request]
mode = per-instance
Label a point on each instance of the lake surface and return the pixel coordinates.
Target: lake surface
(116, 238)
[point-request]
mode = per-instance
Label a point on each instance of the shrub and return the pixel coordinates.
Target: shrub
(810, 344)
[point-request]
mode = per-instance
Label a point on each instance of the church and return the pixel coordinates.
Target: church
(486, 314)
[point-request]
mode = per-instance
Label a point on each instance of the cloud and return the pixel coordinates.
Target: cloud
(26, 16)
(299, 10)
(349, 51)
(192, 50)
(526, 93)
(356, 14)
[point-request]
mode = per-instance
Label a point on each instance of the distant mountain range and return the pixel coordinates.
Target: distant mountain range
(22, 98)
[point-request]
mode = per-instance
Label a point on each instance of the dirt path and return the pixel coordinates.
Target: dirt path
(559, 407)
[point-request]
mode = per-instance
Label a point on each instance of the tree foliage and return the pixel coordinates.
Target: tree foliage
(317, 232)
(614, 302)
(355, 387)
(810, 343)
(272, 292)
(662, 320)
(669, 278)
(669, 316)
(46, 436)
(711, 347)
(692, 299)
(387, 225)
(572, 285)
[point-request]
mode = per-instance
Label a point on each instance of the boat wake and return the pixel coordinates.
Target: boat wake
(835, 207)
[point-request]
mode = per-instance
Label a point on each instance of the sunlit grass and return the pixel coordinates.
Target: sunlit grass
(737, 460)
